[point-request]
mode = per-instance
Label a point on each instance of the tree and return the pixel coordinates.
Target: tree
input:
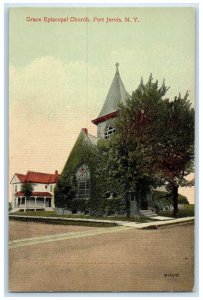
(27, 188)
(107, 182)
(65, 191)
(175, 151)
(127, 160)
(154, 143)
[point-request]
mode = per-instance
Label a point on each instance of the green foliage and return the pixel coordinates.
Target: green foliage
(27, 189)
(9, 206)
(182, 199)
(153, 145)
(65, 191)
(162, 199)
(155, 139)
(187, 211)
(116, 205)
(101, 179)
(40, 213)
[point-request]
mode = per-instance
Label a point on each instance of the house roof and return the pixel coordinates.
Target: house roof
(21, 177)
(34, 194)
(37, 177)
(116, 94)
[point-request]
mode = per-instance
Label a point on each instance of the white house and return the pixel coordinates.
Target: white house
(43, 190)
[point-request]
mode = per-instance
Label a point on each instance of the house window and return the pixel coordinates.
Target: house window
(51, 188)
(16, 188)
(83, 182)
(109, 130)
(45, 186)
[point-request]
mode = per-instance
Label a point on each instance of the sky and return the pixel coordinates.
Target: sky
(60, 73)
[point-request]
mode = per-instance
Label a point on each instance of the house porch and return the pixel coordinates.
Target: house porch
(32, 203)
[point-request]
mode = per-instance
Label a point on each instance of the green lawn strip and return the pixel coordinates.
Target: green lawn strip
(54, 214)
(59, 221)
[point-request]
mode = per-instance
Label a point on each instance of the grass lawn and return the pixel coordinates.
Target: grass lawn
(43, 213)
(187, 211)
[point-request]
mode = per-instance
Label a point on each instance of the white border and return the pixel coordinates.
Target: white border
(3, 156)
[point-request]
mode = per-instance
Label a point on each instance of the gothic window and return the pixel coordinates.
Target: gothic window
(109, 130)
(83, 182)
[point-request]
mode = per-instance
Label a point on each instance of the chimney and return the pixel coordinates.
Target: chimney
(85, 130)
(56, 172)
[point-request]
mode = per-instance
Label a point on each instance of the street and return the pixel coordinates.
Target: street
(47, 257)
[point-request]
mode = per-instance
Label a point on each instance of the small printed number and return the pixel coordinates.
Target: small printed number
(171, 275)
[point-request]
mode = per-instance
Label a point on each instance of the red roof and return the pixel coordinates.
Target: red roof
(36, 177)
(21, 177)
(104, 118)
(35, 194)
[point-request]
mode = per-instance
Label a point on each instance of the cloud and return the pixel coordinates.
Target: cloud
(48, 107)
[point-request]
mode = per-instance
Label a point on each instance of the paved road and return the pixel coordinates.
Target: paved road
(113, 260)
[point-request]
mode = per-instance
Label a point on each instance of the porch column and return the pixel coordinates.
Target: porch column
(44, 201)
(35, 202)
(20, 201)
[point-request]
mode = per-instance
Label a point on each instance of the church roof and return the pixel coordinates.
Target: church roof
(89, 137)
(116, 94)
(93, 139)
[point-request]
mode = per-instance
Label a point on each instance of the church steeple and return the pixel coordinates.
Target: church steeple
(116, 94)
(117, 65)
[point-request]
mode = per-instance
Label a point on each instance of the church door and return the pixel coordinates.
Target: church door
(144, 204)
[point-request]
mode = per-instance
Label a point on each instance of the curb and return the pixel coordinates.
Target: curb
(156, 225)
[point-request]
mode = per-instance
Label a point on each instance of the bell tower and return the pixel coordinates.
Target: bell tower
(109, 111)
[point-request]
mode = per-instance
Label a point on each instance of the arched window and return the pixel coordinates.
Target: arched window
(109, 130)
(83, 182)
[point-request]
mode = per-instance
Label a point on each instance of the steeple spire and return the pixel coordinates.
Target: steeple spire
(116, 94)
(117, 71)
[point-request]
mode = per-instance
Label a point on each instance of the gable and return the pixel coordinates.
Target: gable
(18, 178)
(83, 152)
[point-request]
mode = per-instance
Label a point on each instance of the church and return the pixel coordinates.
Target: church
(76, 189)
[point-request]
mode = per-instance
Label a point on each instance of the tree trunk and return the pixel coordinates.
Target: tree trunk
(175, 200)
(127, 204)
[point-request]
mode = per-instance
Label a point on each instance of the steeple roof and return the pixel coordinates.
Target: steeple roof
(116, 94)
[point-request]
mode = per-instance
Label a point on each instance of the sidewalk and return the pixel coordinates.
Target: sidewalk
(163, 221)
(156, 224)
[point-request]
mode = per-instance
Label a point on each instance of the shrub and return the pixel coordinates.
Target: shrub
(163, 199)
(9, 206)
(187, 211)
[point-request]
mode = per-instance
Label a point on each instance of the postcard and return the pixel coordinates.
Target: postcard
(101, 149)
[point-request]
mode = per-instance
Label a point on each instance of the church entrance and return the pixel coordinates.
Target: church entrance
(144, 204)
